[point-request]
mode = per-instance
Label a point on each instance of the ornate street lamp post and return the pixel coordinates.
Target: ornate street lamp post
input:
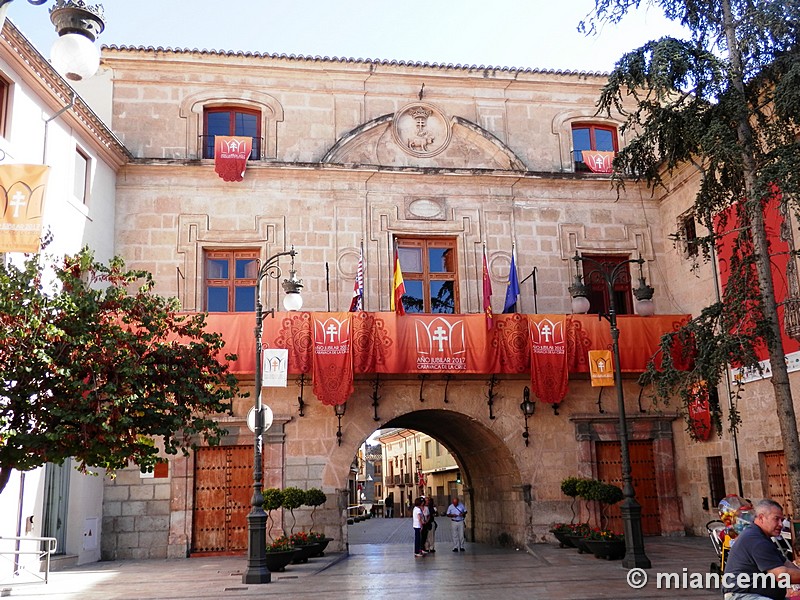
(78, 24)
(610, 274)
(257, 571)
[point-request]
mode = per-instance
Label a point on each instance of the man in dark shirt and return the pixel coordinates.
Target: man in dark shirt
(755, 568)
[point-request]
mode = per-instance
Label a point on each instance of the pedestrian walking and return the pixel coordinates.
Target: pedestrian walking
(418, 520)
(456, 511)
(389, 506)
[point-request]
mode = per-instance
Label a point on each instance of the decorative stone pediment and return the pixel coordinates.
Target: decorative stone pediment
(421, 135)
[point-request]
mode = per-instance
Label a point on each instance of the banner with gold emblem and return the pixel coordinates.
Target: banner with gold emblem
(601, 368)
(22, 190)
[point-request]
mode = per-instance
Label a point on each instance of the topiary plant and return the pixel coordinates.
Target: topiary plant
(293, 498)
(569, 487)
(314, 497)
(273, 500)
(607, 494)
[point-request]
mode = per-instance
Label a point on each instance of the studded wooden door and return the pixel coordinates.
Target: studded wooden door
(609, 469)
(223, 487)
(776, 479)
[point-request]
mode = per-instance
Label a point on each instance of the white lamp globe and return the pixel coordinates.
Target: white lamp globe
(645, 308)
(292, 302)
(75, 56)
(580, 305)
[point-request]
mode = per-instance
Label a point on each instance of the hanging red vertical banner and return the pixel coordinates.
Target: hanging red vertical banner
(549, 375)
(333, 360)
(230, 156)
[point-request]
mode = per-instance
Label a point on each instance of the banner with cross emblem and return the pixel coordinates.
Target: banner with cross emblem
(549, 373)
(333, 360)
(22, 189)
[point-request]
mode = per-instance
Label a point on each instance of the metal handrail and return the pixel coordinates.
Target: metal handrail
(46, 546)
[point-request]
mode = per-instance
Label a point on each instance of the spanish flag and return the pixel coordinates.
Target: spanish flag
(398, 288)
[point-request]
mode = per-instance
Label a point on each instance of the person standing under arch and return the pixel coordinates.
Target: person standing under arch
(456, 512)
(418, 521)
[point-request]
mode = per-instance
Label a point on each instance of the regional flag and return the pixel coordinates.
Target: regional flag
(398, 288)
(487, 293)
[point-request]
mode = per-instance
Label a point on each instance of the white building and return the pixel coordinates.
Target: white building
(43, 121)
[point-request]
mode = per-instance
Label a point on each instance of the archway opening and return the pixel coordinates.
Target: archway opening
(486, 476)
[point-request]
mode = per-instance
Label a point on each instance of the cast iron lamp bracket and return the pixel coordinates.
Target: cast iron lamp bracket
(528, 409)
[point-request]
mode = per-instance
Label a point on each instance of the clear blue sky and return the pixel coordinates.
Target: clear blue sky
(520, 33)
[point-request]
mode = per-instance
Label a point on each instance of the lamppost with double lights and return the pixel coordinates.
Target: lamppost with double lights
(611, 274)
(74, 54)
(257, 571)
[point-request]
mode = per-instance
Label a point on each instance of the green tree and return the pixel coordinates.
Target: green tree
(726, 102)
(97, 367)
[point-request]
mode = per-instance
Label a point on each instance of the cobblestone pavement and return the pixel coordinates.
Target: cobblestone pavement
(381, 565)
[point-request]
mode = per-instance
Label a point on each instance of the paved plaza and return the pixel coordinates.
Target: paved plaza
(381, 564)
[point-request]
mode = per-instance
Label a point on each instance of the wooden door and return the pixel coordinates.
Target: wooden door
(223, 487)
(609, 469)
(776, 479)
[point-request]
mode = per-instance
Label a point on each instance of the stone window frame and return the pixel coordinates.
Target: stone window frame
(424, 244)
(563, 124)
(193, 107)
(231, 282)
(687, 234)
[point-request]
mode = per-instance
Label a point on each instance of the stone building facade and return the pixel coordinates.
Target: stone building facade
(458, 161)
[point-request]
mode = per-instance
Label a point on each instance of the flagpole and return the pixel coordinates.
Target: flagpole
(363, 284)
(328, 284)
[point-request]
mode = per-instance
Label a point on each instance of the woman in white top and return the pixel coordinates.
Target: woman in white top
(418, 520)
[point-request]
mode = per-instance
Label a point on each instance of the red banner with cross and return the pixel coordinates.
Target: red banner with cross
(386, 343)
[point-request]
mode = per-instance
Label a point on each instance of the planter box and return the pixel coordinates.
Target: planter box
(604, 549)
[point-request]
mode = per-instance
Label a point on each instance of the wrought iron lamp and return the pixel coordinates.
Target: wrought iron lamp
(610, 274)
(528, 408)
(339, 409)
(74, 54)
(257, 571)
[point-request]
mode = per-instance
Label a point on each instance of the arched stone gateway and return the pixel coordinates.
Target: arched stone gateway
(493, 488)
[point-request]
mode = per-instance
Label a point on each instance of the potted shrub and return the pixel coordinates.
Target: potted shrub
(273, 500)
(293, 498)
(314, 497)
(606, 494)
(569, 487)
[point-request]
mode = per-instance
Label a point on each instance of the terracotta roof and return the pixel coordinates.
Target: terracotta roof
(350, 60)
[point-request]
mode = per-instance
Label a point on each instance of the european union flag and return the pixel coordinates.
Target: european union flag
(512, 291)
